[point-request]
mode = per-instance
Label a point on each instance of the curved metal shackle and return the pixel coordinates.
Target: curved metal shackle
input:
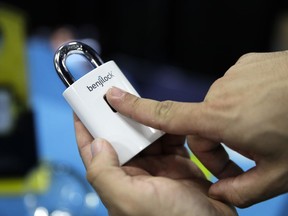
(73, 47)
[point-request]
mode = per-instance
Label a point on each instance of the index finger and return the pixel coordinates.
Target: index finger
(170, 116)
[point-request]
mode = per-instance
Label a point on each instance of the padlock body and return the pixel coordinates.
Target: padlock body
(86, 98)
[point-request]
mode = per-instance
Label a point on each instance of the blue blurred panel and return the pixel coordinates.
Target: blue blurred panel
(54, 120)
(54, 117)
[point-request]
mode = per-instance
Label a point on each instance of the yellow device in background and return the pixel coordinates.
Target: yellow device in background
(18, 155)
(12, 51)
(37, 181)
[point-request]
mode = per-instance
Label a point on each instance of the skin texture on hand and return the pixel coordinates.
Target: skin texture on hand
(161, 180)
(247, 110)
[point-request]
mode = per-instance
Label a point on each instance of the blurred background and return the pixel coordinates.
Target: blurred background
(168, 50)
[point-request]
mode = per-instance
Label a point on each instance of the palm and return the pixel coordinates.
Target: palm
(158, 183)
(161, 180)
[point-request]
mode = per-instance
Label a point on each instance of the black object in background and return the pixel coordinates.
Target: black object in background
(204, 37)
(18, 155)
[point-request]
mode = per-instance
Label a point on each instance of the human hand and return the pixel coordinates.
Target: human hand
(161, 180)
(247, 110)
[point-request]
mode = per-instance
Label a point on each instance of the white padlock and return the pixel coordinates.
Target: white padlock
(86, 96)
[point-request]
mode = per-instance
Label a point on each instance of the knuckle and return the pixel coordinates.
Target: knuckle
(238, 198)
(163, 111)
(246, 57)
(93, 174)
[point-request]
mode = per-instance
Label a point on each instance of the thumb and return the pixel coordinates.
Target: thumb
(104, 168)
(102, 151)
(246, 189)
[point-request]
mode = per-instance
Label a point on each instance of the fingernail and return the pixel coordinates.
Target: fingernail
(96, 146)
(116, 92)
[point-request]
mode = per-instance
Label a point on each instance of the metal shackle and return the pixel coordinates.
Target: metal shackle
(73, 47)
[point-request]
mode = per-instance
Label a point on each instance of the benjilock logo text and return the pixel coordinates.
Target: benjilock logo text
(100, 82)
